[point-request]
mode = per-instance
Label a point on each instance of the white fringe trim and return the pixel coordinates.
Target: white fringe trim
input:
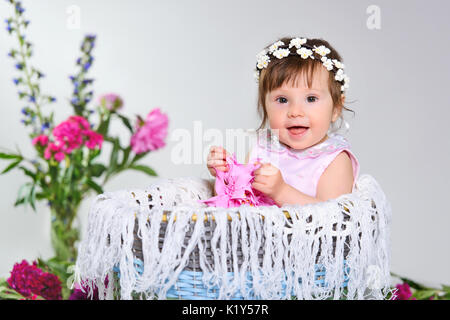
(112, 216)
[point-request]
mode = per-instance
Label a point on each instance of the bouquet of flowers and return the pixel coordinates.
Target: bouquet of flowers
(66, 165)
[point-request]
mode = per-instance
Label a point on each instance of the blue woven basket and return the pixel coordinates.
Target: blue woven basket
(190, 285)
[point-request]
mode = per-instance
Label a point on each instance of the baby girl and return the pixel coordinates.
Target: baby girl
(301, 95)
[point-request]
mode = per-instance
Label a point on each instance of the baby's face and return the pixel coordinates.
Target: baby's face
(310, 108)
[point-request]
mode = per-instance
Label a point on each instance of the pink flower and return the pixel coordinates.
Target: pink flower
(72, 133)
(111, 101)
(234, 187)
(150, 134)
(54, 150)
(81, 121)
(94, 139)
(68, 134)
(41, 139)
(30, 281)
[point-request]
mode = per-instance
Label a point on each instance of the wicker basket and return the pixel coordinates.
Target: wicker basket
(190, 283)
(348, 235)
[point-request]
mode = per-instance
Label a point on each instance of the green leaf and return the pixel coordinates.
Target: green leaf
(114, 155)
(411, 283)
(97, 169)
(126, 122)
(104, 126)
(29, 173)
(144, 169)
(11, 166)
(139, 156)
(94, 186)
(32, 197)
(94, 154)
(9, 156)
(24, 189)
(126, 155)
(424, 294)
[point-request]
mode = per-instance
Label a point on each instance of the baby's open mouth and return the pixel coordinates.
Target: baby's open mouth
(297, 130)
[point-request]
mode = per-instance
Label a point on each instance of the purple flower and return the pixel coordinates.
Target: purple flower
(19, 8)
(111, 101)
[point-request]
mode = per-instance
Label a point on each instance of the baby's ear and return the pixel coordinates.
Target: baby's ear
(336, 112)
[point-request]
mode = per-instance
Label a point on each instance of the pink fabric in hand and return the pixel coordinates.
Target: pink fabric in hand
(234, 187)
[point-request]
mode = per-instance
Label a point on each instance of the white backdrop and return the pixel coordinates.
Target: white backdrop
(195, 59)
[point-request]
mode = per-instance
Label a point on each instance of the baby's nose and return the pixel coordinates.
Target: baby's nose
(296, 109)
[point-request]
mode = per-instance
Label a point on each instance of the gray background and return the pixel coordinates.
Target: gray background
(195, 60)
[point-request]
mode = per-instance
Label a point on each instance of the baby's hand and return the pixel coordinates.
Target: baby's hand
(268, 180)
(217, 159)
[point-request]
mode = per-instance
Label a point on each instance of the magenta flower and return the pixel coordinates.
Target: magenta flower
(93, 139)
(403, 292)
(150, 134)
(81, 121)
(82, 293)
(111, 101)
(41, 140)
(54, 150)
(68, 134)
(72, 134)
(234, 187)
(29, 281)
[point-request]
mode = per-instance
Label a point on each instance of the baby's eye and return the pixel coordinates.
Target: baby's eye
(281, 100)
(311, 99)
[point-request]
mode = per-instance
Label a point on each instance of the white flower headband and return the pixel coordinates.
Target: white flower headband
(305, 51)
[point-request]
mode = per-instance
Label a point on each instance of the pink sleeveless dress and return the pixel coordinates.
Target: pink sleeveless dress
(301, 169)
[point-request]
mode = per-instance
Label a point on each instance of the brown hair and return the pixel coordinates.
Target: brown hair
(288, 69)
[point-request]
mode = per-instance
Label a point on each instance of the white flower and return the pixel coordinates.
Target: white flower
(262, 53)
(344, 87)
(281, 53)
(304, 52)
(263, 61)
(297, 42)
(322, 50)
(339, 75)
(338, 64)
(346, 79)
(275, 46)
(256, 75)
(262, 64)
(327, 63)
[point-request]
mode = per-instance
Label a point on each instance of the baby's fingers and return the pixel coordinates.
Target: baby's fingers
(218, 164)
(217, 152)
(215, 162)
